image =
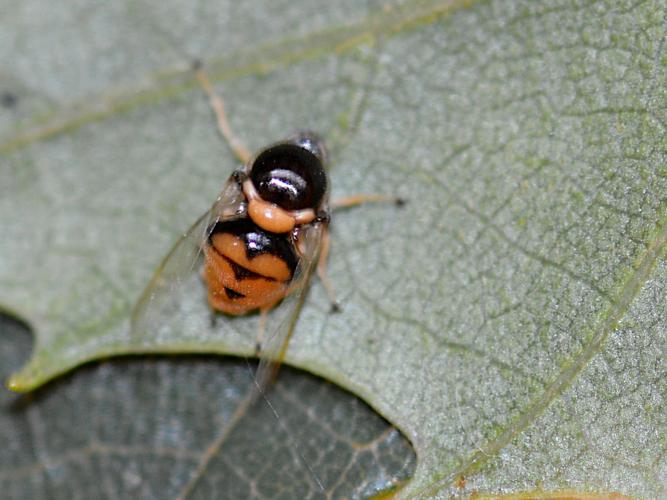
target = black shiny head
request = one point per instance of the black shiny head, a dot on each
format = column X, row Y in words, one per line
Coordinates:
column 291, row 174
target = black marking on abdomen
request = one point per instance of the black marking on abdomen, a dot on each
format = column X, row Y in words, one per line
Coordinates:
column 233, row 294
column 257, row 241
column 240, row 272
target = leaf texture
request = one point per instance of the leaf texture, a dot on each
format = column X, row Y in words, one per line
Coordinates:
column 509, row 320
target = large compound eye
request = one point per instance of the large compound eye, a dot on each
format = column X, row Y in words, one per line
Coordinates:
column 290, row 176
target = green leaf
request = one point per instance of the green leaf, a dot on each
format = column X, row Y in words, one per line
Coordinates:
column 509, row 320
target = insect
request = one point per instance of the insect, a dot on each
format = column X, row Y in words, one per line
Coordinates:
column 257, row 247
column 252, row 256
column 260, row 242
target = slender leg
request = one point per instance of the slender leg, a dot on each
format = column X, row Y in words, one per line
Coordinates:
column 322, row 272
column 264, row 314
column 241, row 152
column 213, row 318
column 350, row 201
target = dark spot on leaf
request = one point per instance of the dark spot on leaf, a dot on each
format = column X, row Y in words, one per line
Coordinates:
column 8, row 100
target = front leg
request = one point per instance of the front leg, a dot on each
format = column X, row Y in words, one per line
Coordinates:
column 322, row 271
column 235, row 144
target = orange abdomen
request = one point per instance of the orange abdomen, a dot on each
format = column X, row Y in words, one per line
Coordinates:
column 241, row 274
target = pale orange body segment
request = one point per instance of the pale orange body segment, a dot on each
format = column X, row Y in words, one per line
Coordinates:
column 237, row 284
column 270, row 217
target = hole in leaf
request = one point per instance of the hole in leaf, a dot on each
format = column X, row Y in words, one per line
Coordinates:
column 145, row 423
column 312, row 435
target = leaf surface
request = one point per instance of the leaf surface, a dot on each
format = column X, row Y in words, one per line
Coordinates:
column 520, row 289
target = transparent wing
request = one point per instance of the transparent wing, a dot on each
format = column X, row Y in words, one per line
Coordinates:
column 280, row 332
column 273, row 352
column 174, row 301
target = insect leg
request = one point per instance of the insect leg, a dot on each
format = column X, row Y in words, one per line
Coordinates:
column 351, row 201
column 348, row 201
column 213, row 318
column 237, row 147
column 322, row 271
column 264, row 314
